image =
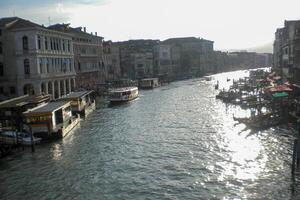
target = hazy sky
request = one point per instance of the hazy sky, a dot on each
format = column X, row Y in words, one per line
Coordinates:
column 232, row 24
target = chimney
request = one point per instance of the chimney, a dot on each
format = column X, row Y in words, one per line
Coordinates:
column 84, row 29
column 96, row 33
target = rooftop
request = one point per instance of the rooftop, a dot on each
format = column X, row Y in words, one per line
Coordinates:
column 50, row 107
column 186, row 39
column 77, row 94
column 24, row 100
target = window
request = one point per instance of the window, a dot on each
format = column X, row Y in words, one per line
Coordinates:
column 51, row 44
column 46, row 43
column 25, row 43
column 70, row 65
column 59, row 44
column 39, row 42
column 79, row 66
column 69, row 46
column 1, row 50
column 12, row 90
column 26, row 66
column 0, row 32
column 1, row 90
column 63, row 45
column 1, row 69
column 47, row 65
column 41, row 65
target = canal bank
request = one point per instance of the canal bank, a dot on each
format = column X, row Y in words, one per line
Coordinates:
column 175, row 141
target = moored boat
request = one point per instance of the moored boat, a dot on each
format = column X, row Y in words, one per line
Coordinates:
column 118, row 95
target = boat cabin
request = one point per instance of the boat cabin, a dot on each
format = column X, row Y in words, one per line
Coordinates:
column 52, row 120
column 82, row 103
column 149, row 83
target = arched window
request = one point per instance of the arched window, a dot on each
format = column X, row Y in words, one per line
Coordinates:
column 25, row 43
column 28, row 89
column 1, row 50
column 26, row 66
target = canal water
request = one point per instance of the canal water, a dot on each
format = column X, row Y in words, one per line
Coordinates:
column 173, row 142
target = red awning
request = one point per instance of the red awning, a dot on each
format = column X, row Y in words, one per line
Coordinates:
column 279, row 88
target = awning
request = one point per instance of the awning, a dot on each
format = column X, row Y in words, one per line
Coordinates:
column 279, row 88
column 280, row 94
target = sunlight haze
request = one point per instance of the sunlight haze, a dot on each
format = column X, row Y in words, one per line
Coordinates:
column 232, row 24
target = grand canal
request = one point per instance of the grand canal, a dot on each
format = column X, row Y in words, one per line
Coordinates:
column 173, row 142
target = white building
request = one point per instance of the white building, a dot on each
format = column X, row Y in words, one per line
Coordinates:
column 34, row 59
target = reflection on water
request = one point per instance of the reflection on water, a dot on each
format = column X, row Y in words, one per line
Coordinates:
column 174, row 142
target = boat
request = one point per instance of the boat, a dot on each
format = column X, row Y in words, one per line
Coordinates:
column 13, row 137
column 118, row 95
column 148, row 83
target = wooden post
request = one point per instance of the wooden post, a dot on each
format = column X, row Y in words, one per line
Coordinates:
column 32, row 142
column 294, row 157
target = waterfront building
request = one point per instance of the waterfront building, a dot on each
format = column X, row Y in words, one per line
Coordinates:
column 127, row 48
column 88, row 56
column 111, row 59
column 164, row 60
column 34, row 59
column 287, row 50
column 143, row 64
column 191, row 56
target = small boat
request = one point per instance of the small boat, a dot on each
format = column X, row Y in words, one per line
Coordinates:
column 119, row 95
column 12, row 137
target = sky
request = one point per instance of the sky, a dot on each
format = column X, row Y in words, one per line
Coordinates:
column 231, row 24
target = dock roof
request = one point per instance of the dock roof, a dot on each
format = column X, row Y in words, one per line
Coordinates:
column 24, row 100
column 79, row 94
column 49, row 107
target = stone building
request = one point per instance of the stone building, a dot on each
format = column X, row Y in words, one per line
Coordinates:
column 189, row 56
column 163, row 62
column 142, row 64
column 287, row 50
column 88, row 56
column 111, row 60
column 34, row 59
column 127, row 48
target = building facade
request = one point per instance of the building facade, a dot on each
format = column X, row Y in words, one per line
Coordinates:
column 184, row 57
column 142, row 64
column 88, row 56
column 127, row 49
column 35, row 59
column 287, row 50
column 111, row 59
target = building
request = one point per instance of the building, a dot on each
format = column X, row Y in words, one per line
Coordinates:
column 184, row 57
column 287, row 50
column 142, row 64
column 35, row 59
column 127, row 48
column 88, row 56
column 111, row 60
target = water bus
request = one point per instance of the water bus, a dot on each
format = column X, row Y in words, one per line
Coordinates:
column 119, row 95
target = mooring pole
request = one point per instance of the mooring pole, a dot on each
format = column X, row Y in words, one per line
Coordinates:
column 32, row 142
column 294, row 158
